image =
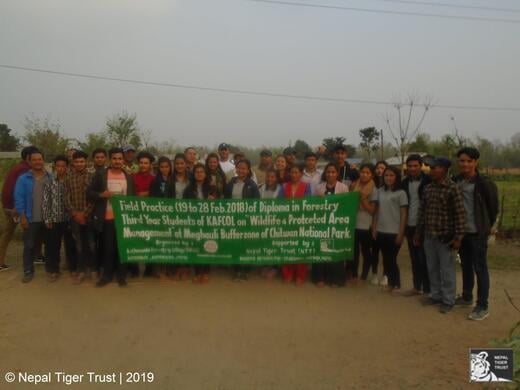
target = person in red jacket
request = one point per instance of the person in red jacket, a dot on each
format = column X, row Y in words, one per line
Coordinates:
column 11, row 218
column 295, row 188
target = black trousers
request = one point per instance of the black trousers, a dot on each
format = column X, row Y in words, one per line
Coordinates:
column 421, row 281
column 390, row 250
column 71, row 254
column 330, row 273
column 111, row 263
column 53, row 239
column 473, row 256
column 363, row 245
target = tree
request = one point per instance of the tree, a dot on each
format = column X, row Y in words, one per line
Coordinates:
column 93, row 141
column 369, row 140
column 328, row 145
column 301, row 147
column 407, row 125
column 46, row 135
column 8, row 141
column 422, row 143
column 122, row 129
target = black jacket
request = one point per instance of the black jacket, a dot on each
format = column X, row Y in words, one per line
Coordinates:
column 191, row 191
column 155, row 188
column 485, row 205
column 425, row 180
column 96, row 187
column 250, row 190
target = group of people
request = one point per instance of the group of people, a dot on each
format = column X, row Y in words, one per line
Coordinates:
column 441, row 217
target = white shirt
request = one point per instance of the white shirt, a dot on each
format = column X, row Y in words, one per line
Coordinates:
column 313, row 179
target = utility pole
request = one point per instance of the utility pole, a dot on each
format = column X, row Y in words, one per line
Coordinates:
column 382, row 146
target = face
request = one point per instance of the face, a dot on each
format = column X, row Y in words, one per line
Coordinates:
column 291, row 158
column 438, row 172
column 70, row 153
column 100, row 159
column 389, row 178
column 36, row 161
column 180, row 165
column 413, row 168
column 296, row 175
column 164, row 168
column 365, row 175
column 380, row 169
column 130, row 156
column 310, row 163
column 191, row 156
column 340, row 156
column 271, row 179
column 116, row 160
column 224, row 154
column 60, row 167
column 266, row 160
column 79, row 164
column 467, row 164
column 145, row 165
column 242, row 170
column 212, row 164
column 331, row 174
column 199, row 174
column 281, row 164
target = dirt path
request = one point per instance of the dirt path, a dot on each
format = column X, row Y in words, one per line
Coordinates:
column 253, row 335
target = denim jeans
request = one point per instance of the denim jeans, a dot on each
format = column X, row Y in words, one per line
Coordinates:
column 84, row 242
column 473, row 256
column 441, row 270
column 31, row 234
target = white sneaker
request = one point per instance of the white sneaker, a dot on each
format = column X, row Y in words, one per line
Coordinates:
column 383, row 281
column 374, row 280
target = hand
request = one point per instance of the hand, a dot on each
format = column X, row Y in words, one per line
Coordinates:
column 24, row 222
column 374, row 233
column 399, row 240
column 106, row 194
column 79, row 217
column 416, row 240
column 455, row 243
column 49, row 225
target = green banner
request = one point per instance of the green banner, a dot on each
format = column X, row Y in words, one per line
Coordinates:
column 249, row 231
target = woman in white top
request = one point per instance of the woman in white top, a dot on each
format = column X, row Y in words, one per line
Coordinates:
column 389, row 223
column 333, row 273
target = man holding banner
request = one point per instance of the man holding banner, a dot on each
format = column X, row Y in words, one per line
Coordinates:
column 108, row 182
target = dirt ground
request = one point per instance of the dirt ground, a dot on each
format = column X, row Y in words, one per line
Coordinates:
column 254, row 335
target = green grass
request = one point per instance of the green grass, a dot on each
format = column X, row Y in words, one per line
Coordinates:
column 509, row 198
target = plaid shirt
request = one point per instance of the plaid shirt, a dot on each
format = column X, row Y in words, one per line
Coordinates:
column 53, row 206
column 442, row 212
column 76, row 185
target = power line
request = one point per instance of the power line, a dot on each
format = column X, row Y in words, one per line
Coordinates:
column 448, row 5
column 379, row 11
column 246, row 92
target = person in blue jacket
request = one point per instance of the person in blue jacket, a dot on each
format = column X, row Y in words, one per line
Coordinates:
column 28, row 201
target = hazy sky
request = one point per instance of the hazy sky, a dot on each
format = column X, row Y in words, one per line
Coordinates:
column 240, row 44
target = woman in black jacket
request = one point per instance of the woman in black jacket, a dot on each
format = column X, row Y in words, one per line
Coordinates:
column 199, row 188
column 242, row 187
